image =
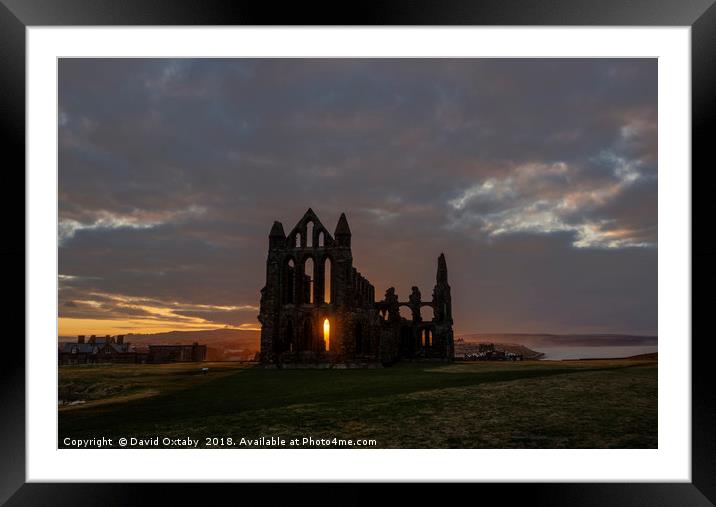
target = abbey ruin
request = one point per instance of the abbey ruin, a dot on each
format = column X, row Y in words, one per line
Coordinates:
column 317, row 309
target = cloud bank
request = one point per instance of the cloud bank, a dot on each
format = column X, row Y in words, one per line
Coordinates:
column 537, row 178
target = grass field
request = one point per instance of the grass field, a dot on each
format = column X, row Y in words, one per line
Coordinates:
column 530, row 404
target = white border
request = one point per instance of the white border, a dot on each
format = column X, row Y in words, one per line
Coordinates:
column 670, row 462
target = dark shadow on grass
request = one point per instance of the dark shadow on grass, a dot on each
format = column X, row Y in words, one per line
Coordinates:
column 257, row 388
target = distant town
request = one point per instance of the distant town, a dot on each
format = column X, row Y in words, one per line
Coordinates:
column 173, row 346
column 489, row 351
column 94, row 349
column 243, row 346
column 114, row 349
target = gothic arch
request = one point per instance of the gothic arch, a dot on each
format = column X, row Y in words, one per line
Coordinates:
column 310, row 226
column 327, row 278
column 307, row 273
column 289, row 280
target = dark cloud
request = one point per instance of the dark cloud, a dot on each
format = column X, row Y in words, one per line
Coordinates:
column 537, row 178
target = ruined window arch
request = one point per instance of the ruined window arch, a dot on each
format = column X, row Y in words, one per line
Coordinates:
column 327, row 280
column 426, row 338
column 289, row 278
column 327, row 334
column 309, row 269
column 321, row 239
column 309, row 234
column 406, row 313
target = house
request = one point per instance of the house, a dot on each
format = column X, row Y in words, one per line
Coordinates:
column 110, row 349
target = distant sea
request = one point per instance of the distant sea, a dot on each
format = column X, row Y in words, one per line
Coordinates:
column 595, row 352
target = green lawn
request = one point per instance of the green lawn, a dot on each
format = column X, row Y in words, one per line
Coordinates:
column 531, row 404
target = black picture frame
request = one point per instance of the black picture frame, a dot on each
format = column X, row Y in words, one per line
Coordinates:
column 16, row 15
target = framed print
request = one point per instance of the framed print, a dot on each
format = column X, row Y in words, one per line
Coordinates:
column 420, row 248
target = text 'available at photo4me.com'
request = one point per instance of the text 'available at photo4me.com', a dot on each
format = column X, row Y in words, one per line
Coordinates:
column 220, row 442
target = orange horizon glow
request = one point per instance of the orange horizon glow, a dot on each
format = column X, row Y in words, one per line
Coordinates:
column 327, row 333
column 68, row 326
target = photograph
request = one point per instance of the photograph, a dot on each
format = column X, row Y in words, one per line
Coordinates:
column 418, row 246
column 352, row 253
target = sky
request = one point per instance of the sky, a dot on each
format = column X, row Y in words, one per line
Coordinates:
column 536, row 177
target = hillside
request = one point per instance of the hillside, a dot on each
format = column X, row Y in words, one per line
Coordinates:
column 223, row 344
column 652, row 356
column 213, row 336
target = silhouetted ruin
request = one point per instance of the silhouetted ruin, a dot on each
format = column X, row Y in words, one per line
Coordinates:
column 317, row 309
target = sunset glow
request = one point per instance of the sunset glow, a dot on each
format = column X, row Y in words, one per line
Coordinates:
column 327, row 333
column 106, row 313
column 72, row 327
